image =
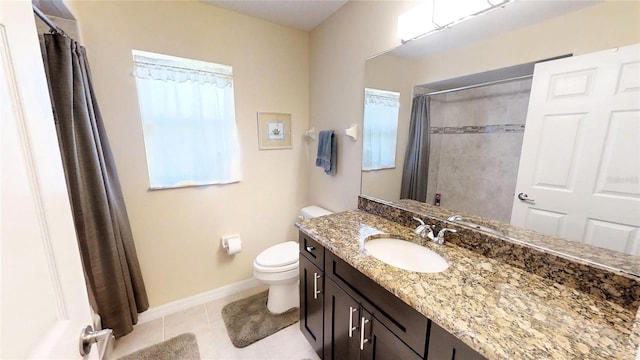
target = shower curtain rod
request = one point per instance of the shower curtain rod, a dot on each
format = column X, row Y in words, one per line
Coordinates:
column 477, row 85
column 48, row 21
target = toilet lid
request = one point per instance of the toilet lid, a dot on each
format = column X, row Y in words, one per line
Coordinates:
column 279, row 255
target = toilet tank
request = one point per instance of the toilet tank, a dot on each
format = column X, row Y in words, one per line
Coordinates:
column 313, row 211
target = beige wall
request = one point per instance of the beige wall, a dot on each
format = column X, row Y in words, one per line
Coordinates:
column 177, row 232
column 359, row 30
column 339, row 47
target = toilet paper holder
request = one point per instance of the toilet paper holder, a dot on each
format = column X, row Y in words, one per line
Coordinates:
column 234, row 239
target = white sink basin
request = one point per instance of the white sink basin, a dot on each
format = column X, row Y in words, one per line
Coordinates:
column 406, row 255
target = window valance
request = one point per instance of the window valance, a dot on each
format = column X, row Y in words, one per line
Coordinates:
column 168, row 68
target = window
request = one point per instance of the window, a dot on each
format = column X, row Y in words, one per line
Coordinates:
column 380, row 129
column 188, row 118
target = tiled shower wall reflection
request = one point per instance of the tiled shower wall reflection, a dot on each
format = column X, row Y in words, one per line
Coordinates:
column 476, row 138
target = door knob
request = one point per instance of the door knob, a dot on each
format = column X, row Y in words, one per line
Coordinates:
column 89, row 337
column 524, row 197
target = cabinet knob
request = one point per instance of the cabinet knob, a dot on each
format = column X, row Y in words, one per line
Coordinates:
column 310, row 248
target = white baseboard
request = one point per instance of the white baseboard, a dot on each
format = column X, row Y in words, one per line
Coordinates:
column 198, row 299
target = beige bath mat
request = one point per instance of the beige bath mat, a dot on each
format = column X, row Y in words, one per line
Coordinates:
column 248, row 320
column 181, row 347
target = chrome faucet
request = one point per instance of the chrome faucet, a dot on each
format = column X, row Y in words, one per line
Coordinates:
column 440, row 238
column 423, row 230
column 455, row 218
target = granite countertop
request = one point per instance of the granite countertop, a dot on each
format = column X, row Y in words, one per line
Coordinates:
column 582, row 252
column 501, row 311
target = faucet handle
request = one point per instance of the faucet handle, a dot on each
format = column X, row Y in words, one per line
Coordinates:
column 440, row 239
column 419, row 220
column 422, row 230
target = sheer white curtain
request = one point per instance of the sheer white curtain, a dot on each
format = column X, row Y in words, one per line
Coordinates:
column 380, row 127
column 188, row 117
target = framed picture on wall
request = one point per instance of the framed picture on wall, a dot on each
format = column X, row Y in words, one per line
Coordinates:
column 274, row 131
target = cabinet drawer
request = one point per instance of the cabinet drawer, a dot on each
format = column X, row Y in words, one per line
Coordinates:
column 312, row 250
column 404, row 321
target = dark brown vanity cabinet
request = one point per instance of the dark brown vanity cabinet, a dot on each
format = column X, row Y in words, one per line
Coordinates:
column 346, row 315
column 311, row 292
column 352, row 333
column 364, row 321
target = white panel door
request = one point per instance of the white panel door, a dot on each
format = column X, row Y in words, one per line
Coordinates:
column 580, row 161
column 44, row 300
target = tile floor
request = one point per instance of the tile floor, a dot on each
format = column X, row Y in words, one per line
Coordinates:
column 205, row 321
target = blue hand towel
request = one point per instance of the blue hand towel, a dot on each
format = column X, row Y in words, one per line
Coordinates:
column 327, row 152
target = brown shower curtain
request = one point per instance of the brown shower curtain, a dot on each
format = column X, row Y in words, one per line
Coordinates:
column 111, row 267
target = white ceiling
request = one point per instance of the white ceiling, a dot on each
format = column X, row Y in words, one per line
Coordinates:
column 298, row 14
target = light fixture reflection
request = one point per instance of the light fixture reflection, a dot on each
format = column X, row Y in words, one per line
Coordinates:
column 416, row 21
column 434, row 15
column 450, row 11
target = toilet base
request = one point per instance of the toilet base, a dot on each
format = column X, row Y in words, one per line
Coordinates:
column 283, row 297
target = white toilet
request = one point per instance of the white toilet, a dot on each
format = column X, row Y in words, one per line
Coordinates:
column 277, row 266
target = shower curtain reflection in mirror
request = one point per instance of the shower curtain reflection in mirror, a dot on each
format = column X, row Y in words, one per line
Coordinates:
column 416, row 160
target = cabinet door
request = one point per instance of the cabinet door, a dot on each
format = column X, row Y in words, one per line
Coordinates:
column 443, row 345
column 403, row 321
column 341, row 318
column 311, row 304
column 379, row 343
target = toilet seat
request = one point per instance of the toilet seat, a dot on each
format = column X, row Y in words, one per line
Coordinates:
column 275, row 269
column 278, row 258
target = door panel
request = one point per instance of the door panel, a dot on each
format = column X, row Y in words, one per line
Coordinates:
column 548, row 222
column 571, row 84
column 618, row 172
column 556, row 162
column 619, row 237
column 580, row 161
column 629, row 78
column 444, row 346
column 382, row 344
column 311, row 304
column 44, row 301
column 341, row 313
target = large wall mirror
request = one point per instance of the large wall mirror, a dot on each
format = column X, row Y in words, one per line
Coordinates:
column 471, row 129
